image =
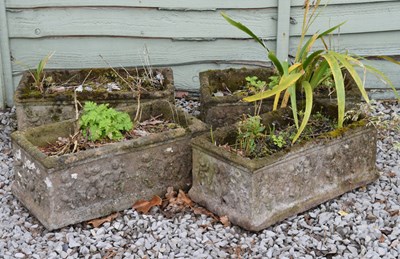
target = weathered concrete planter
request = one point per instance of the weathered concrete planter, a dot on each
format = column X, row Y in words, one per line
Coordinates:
column 35, row 109
column 225, row 110
column 73, row 188
column 257, row 193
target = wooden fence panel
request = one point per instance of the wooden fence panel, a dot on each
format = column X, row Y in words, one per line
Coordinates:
column 188, row 35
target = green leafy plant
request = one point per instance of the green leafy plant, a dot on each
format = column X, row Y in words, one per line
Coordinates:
column 38, row 74
column 274, row 81
column 309, row 70
column 99, row 122
column 250, row 130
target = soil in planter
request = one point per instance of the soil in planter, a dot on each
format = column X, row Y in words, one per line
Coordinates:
column 272, row 140
column 98, row 81
column 246, row 89
column 78, row 142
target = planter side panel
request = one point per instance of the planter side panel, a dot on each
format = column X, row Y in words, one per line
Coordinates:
column 32, row 184
column 221, row 187
column 320, row 173
column 107, row 183
column 221, row 115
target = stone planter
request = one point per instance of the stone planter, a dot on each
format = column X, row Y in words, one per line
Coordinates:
column 225, row 110
column 35, row 109
column 258, row 193
column 73, row 188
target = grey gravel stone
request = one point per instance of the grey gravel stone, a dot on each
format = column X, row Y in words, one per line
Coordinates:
column 370, row 230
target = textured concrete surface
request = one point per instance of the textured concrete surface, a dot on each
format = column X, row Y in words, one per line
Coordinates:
column 257, row 193
column 37, row 109
column 77, row 187
column 225, row 110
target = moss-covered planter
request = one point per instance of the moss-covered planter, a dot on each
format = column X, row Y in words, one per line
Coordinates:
column 225, row 110
column 257, row 193
column 77, row 187
column 34, row 108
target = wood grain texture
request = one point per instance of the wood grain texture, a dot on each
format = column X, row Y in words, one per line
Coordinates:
column 177, row 4
column 391, row 70
column 360, row 18
column 6, row 83
column 364, row 44
column 188, row 35
column 342, row 2
column 136, row 22
column 382, row 95
column 79, row 52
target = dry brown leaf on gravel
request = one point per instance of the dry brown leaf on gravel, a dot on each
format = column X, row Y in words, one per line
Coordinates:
column 144, row 206
column 171, row 194
column 98, row 222
column 225, row 221
column 203, row 211
column 177, row 203
column 184, row 199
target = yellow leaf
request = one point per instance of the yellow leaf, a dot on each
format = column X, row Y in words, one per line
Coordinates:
column 343, row 213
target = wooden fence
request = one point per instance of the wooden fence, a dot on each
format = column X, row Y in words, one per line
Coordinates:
column 188, row 35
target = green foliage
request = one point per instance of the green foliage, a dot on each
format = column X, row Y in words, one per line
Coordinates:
column 254, row 85
column 310, row 70
column 250, row 131
column 38, row 75
column 278, row 140
column 274, row 81
column 100, row 122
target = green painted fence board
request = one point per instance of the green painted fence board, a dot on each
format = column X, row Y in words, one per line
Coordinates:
column 204, row 4
column 76, row 52
column 364, row 44
column 135, row 22
column 341, row 2
column 177, row 4
column 188, row 35
column 360, row 18
column 283, row 30
column 6, row 82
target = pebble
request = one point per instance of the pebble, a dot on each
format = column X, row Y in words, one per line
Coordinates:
column 370, row 230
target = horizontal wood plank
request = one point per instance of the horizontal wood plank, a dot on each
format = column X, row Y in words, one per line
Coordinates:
column 392, row 71
column 84, row 52
column 364, row 44
column 134, row 22
column 359, row 18
column 382, row 95
column 342, row 2
column 177, row 4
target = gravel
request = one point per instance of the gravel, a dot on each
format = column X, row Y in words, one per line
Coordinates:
column 370, row 228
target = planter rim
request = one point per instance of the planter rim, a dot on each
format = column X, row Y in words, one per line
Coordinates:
column 117, row 148
column 117, row 95
column 203, row 143
column 220, row 100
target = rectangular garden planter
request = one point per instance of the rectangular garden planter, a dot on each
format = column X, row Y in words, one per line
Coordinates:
column 258, row 193
column 77, row 187
column 225, row 110
column 34, row 108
